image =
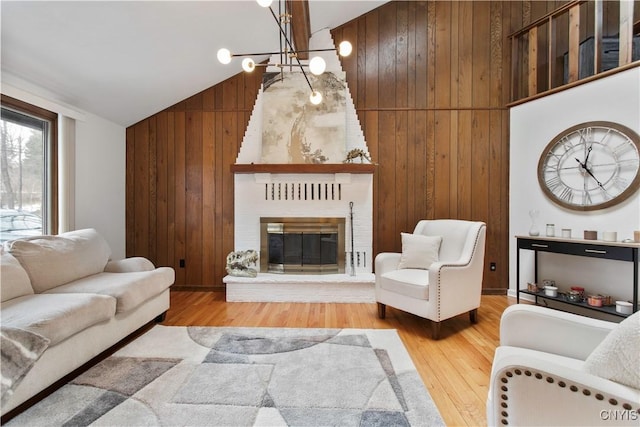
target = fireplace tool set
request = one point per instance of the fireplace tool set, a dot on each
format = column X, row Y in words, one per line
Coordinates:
column 353, row 264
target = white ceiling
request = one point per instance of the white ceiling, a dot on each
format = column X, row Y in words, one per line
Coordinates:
column 127, row 60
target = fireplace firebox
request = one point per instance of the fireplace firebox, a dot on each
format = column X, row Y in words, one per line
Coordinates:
column 302, row 245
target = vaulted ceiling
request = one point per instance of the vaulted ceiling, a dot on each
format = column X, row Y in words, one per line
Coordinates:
column 126, row 60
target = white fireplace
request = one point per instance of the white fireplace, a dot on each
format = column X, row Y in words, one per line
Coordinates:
column 305, row 192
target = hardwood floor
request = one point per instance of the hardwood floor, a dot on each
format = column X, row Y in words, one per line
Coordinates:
column 455, row 369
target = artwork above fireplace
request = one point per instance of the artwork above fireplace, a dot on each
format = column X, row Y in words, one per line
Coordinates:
column 302, row 245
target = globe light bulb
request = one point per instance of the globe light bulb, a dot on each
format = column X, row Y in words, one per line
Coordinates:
column 345, row 48
column 315, row 97
column 224, row 56
column 265, row 3
column 248, row 65
column 317, row 65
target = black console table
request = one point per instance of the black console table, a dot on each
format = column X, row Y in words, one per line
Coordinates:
column 587, row 248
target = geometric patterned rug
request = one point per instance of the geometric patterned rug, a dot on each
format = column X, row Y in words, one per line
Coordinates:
column 206, row 376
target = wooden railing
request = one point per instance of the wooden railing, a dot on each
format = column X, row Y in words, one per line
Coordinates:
column 574, row 42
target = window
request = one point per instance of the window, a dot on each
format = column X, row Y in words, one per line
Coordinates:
column 28, row 170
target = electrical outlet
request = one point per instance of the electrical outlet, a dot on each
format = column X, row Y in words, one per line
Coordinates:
column 492, row 266
column 182, row 263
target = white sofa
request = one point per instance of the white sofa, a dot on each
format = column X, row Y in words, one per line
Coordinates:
column 561, row 369
column 62, row 294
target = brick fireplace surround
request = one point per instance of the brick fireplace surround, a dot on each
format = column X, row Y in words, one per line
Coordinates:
column 288, row 191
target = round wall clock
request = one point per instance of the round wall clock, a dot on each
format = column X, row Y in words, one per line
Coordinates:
column 591, row 166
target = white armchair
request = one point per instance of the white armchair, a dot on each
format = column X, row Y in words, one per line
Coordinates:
column 543, row 370
column 439, row 290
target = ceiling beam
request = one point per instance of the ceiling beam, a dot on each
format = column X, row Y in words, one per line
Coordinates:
column 300, row 25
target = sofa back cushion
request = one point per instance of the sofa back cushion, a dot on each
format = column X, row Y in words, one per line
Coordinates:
column 52, row 261
column 14, row 281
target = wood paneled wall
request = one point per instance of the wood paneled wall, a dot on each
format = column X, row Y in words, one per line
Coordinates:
column 179, row 187
column 430, row 82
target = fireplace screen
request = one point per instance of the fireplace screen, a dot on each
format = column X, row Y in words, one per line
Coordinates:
column 302, row 245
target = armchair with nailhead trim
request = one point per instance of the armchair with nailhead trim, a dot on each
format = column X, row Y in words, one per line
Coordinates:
column 543, row 370
column 447, row 287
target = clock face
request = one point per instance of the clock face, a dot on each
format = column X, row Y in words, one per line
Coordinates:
column 591, row 166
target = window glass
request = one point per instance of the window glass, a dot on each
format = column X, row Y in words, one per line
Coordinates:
column 26, row 207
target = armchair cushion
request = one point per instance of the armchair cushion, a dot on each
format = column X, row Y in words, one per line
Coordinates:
column 410, row 282
column 616, row 358
column 419, row 251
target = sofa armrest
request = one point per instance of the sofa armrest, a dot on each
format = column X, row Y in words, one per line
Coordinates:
column 527, row 388
column 387, row 261
column 544, row 329
column 128, row 265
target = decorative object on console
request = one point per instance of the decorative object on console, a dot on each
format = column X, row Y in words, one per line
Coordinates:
column 624, row 307
column 534, row 214
column 551, row 291
column 551, row 230
column 574, row 296
column 610, row 236
column 592, row 165
column 287, row 51
column 595, row 300
column 590, row 235
column 239, row 262
column 566, row 233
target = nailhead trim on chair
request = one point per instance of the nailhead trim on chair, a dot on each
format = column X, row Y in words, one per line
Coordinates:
column 475, row 245
column 586, row 392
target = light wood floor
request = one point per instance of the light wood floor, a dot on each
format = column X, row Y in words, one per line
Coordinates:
column 455, row 369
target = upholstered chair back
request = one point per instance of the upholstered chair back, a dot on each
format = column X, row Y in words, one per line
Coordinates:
column 456, row 243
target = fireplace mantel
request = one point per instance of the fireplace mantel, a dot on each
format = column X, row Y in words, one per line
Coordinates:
column 362, row 168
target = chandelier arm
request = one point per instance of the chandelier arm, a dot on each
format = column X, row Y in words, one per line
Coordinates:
column 234, row 55
column 284, row 34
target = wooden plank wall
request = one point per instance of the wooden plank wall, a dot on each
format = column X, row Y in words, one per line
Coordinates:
column 179, row 186
column 430, row 82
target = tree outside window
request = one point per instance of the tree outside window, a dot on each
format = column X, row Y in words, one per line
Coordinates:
column 27, row 148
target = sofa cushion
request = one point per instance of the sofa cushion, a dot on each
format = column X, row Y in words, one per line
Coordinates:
column 130, row 289
column 616, row 357
column 14, row 281
column 57, row 316
column 410, row 282
column 52, row 261
column 419, row 251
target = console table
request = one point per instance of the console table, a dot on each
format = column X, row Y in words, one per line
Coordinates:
column 587, row 248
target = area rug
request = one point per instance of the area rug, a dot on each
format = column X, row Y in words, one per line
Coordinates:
column 204, row 376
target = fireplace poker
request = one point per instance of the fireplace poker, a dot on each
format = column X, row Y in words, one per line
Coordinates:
column 353, row 265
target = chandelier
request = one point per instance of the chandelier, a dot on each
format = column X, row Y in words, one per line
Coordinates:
column 289, row 56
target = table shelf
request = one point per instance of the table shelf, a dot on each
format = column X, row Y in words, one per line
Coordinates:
column 620, row 251
column 609, row 309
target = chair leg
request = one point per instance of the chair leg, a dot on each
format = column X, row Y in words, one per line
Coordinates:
column 473, row 316
column 435, row 330
column 382, row 310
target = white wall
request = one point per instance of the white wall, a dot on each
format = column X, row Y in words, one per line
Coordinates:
column 100, row 180
column 97, row 169
column 533, row 125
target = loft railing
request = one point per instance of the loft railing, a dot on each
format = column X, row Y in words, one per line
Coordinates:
column 578, row 40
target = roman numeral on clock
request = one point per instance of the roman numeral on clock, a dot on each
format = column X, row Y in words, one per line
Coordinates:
column 566, row 194
column 553, row 183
